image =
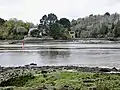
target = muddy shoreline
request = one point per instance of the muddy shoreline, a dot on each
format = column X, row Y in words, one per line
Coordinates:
column 80, row 40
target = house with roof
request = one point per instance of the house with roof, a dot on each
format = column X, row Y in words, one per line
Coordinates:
column 34, row 32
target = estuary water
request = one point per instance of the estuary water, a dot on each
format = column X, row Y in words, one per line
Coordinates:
column 61, row 53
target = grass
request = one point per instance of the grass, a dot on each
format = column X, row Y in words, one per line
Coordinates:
column 63, row 80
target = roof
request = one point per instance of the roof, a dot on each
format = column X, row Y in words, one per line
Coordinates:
column 32, row 29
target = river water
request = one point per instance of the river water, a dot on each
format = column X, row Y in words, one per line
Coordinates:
column 61, row 53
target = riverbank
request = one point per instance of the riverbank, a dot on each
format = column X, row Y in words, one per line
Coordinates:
column 48, row 75
column 76, row 40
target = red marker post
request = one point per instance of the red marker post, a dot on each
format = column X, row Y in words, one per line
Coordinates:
column 22, row 44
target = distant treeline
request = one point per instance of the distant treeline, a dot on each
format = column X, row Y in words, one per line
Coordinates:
column 97, row 26
column 93, row 26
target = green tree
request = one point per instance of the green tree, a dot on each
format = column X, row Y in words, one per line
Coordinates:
column 117, row 30
column 15, row 29
column 35, row 33
column 10, row 24
column 103, row 30
column 48, row 19
column 21, row 30
column 56, row 31
column 28, row 25
column 107, row 13
column 2, row 21
column 52, row 18
column 46, row 22
column 65, row 22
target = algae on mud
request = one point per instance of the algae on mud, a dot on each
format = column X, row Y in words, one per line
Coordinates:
column 66, row 80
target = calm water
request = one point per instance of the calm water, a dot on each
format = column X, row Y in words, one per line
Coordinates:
column 61, row 53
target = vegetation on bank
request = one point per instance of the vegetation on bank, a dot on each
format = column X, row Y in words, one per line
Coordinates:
column 97, row 26
column 49, row 26
column 65, row 80
column 14, row 29
column 93, row 26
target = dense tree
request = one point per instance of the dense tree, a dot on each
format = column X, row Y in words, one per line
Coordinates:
column 90, row 15
column 21, row 30
column 73, row 22
column 103, row 30
column 44, row 20
column 48, row 19
column 99, row 26
column 65, row 22
column 117, row 30
column 2, row 21
column 107, row 13
column 14, row 29
column 35, row 33
column 56, row 31
column 52, row 18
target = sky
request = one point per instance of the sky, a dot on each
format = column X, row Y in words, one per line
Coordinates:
column 33, row 10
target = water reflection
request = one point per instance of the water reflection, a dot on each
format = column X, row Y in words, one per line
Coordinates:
column 54, row 56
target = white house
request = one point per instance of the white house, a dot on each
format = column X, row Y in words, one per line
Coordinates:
column 72, row 34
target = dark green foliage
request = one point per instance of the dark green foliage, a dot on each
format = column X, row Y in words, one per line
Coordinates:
column 65, row 22
column 2, row 21
column 113, row 26
column 56, row 31
column 46, row 21
column 18, row 81
column 107, row 13
column 117, row 30
column 103, row 30
column 52, row 18
column 35, row 33
column 53, row 27
column 90, row 15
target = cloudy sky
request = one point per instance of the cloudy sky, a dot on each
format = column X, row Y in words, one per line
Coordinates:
column 33, row 10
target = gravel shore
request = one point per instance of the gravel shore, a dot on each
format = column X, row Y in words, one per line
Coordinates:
column 11, row 72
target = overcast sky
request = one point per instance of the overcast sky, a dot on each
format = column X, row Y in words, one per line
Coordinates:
column 33, row 10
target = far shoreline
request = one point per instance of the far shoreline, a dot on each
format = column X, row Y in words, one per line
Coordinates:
column 81, row 40
column 62, row 67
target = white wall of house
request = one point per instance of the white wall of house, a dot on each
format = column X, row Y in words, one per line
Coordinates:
column 72, row 34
